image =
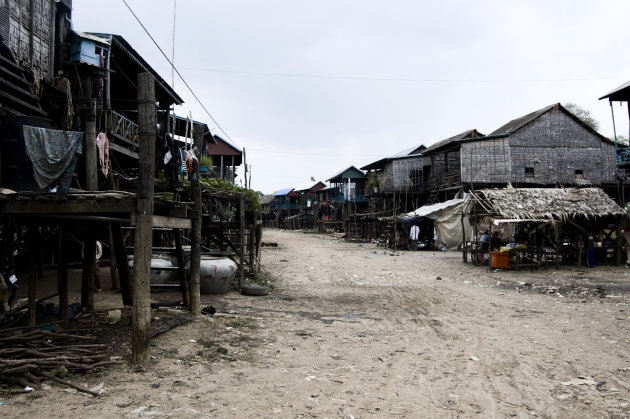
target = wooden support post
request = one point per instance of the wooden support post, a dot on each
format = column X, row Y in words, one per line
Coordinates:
column 245, row 167
column 258, row 244
column 62, row 277
column 113, row 265
column 91, row 180
column 619, row 244
column 89, row 269
column 233, row 175
column 122, row 262
column 181, row 264
column 250, row 245
column 195, row 249
column 222, row 176
column 141, row 332
column 33, row 239
column 241, row 262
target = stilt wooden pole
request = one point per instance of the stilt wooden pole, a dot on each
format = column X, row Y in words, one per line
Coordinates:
column 141, row 337
column 195, row 250
column 62, row 277
column 32, row 240
column 241, row 262
column 181, row 264
column 113, row 265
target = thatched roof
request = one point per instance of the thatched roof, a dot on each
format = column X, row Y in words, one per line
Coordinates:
column 541, row 203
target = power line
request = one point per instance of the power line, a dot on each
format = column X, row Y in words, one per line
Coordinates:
column 312, row 154
column 396, row 79
column 179, row 75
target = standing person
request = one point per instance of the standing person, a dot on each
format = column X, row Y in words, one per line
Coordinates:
column 495, row 241
column 484, row 245
column 414, row 232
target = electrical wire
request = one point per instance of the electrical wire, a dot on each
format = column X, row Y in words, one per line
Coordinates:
column 179, row 75
column 395, row 79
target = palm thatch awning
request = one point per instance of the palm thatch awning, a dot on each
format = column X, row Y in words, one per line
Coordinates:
column 541, row 203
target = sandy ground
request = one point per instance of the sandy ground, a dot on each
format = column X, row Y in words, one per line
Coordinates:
column 352, row 330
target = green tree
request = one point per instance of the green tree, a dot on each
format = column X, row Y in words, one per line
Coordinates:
column 622, row 139
column 583, row 114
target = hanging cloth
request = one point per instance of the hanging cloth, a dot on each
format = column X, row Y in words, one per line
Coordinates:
column 102, row 142
column 53, row 154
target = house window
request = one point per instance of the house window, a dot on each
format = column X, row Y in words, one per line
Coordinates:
column 98, row 50
column 529, row 172
column 579, row 174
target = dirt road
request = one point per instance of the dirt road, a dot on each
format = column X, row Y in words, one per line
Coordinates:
column 351, row 330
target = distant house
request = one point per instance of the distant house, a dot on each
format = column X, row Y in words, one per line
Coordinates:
column 622, row 151
column 548, row 147
column 401, row 172
column 309, row 192
column 225, row 157
column 348, row 186
column 285, row 199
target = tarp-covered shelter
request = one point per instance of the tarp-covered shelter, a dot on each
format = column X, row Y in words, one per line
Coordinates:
column 447, row 216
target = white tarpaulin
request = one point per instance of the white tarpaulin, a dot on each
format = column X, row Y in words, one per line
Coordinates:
column 448, row 222
column 430, row 211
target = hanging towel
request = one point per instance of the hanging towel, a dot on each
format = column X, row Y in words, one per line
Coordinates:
column 102, row 142
column 53, row 154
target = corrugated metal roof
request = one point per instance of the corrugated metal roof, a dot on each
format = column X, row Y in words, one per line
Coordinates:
column 408, row 152
column 309, row 185
column 359, row 173
column 91, row 37
column 621, row 93
column 282, row 192
column 265, row 199
column 471, row 133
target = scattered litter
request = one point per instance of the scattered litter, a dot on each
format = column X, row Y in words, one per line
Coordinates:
column 438, row 278
column 3, row 403
column 139, row 410
column 192, row 341
column 468, row 340
column 113, row 316
column 99, row 388
column 580, row 381
column 156, row 385
column 310, row 378
column 474, row 358
column 28, row 389
column 600, row 384
column 315, row 395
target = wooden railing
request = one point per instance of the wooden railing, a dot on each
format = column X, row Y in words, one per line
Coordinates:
column 121, row 127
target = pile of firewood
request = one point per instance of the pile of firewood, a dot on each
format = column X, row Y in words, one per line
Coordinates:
column 29, row 357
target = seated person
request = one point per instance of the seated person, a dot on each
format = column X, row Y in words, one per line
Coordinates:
column 484, row 245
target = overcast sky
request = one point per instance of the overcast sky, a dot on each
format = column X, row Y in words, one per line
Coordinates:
column 309, row 88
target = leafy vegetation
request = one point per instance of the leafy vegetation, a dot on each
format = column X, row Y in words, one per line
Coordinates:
column 206, row 161
column 222, row 184
column 583, row 114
